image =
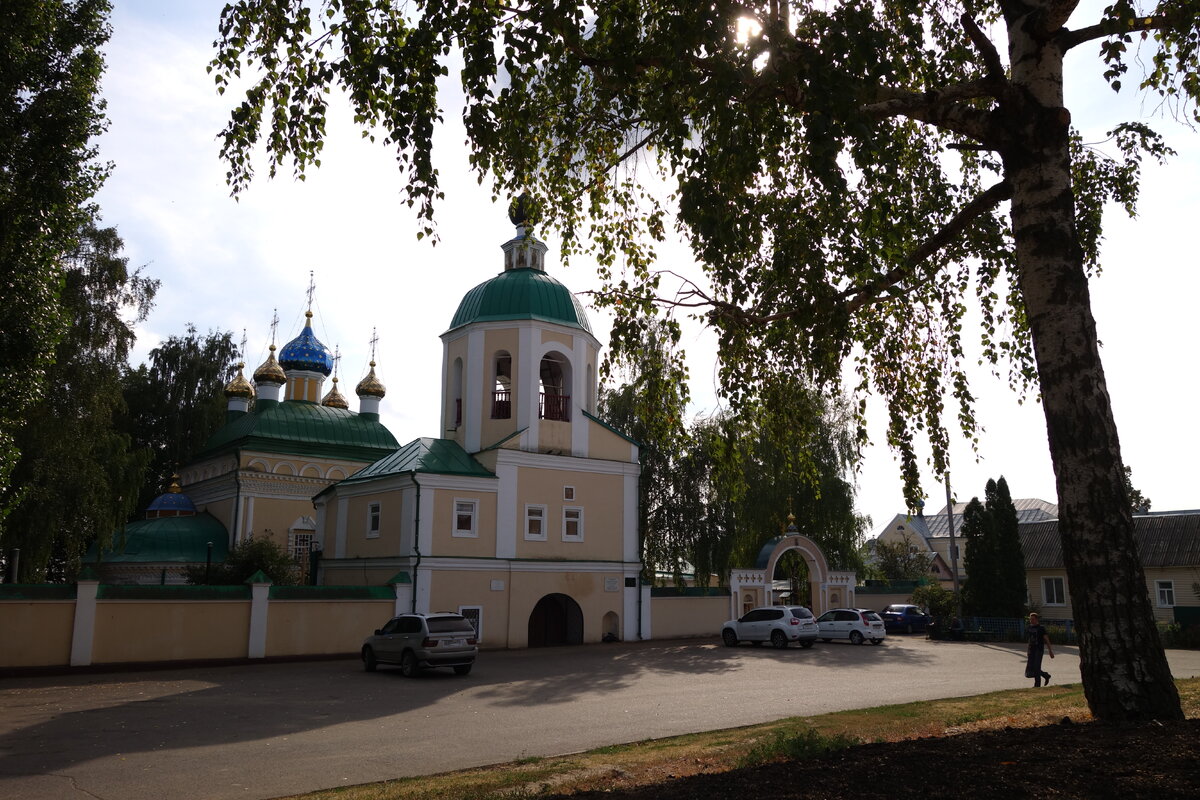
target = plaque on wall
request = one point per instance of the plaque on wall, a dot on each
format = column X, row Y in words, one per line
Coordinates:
column 612, row 584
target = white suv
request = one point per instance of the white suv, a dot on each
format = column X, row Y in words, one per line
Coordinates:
column 775, row 624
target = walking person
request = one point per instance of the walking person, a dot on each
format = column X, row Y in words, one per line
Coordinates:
column 1039, row 641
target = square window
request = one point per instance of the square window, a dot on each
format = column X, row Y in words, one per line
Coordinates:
column 1166, row 593
column 568, row 493
column 464, row 518
column 535, row 522
column 572, row 527
column 1053, row 593
column 373, row 516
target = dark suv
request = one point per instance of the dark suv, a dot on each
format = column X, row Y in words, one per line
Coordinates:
column 420, row 641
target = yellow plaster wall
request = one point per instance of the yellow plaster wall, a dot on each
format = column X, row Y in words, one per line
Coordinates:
column 36, row 634
column 585, row 588
column 353, row 575
column 678, row 617
column 602, row 498
column 452, row 590
column 391, row 513
column 325, row 627
column 130, row 631
column 606, row 445
column 445, row 543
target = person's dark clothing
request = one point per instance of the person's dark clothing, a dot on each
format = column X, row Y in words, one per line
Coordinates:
column 1037, row 647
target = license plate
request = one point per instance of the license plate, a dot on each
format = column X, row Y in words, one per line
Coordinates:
column 453, row 642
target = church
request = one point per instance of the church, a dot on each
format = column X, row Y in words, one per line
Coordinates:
column 521, row 514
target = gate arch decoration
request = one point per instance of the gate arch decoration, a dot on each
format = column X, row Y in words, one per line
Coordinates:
column 751, row 586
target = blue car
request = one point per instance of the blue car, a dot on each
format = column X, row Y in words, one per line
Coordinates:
column 900, row 618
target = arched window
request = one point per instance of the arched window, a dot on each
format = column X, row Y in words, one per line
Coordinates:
column 502, row 385
column 456, row 387
column 554, row 374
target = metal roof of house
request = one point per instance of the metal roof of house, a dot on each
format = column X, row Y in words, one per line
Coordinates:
column 1170, row 539
column 521, row 294
column 935, row 525
column 303, row 428
column 166, row 540
column 427, row 455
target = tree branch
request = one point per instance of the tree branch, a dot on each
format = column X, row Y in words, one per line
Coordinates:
column 1111, row 27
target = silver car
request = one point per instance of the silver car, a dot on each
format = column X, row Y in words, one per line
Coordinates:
column 421, row 641
column 856, row 624
column 775, row 624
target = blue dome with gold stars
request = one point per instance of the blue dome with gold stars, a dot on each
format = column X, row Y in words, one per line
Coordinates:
column 306, row 352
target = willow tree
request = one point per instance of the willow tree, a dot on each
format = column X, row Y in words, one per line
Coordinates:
column 850, row 175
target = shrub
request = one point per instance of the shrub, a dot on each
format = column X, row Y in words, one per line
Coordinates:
column 246, row 558
column 795, row 745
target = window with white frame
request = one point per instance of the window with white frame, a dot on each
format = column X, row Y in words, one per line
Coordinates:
column 572, row 524
column 373, row 515
column 568, row 493
column 464, row 518
column 535, row 522
column 473, row 615
column 1166, row 593
column 1053, row 593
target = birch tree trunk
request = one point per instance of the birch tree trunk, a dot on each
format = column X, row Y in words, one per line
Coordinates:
column 1124, row 669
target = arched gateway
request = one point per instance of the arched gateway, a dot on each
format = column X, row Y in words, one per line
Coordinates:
column 750, row 587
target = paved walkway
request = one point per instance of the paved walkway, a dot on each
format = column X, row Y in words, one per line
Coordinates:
column 268, row 730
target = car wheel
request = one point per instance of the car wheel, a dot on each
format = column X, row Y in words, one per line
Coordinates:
column 778, row 640
column 807, row 644
column 877, row 641
column 729, row 637
column 856, row 637
column 368, row 657
column 462, row 669
column 408, row 665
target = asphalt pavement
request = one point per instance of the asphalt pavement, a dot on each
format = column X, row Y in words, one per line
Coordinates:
column 268, row 730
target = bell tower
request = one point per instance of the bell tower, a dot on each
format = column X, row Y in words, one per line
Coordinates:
column 519, row 357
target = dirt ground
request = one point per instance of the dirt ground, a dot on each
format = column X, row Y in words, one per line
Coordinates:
column 1068, row 760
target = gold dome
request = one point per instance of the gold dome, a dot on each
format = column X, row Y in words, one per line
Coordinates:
column 370, row 385
column 335, row 399
column 270, row 371
column 239, row 386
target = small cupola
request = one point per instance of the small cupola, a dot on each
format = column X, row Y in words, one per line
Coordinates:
column 269, row 377
column 239, row 392
column 370, row 391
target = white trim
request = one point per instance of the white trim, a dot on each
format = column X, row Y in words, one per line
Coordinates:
column 569, row 494
column 524, row 458
column 339, row 536
column 84, row 630
column 447, row 564
column 535, row 537
column 473, row 391
column 479, row 616
column 506, row 511
column 578, row 537
column 473, row 532
column 630, row 547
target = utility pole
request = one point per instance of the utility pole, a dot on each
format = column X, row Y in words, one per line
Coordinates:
column 953, row 547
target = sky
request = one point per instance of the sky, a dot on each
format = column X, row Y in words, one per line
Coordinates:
column 229, row 264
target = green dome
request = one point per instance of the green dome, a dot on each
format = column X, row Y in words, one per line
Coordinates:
column 166, row 540
column 521, row 294
column 300, row 428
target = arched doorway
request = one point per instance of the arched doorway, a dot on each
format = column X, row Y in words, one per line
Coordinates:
column 555, row 620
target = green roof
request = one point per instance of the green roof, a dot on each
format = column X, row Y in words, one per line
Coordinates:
column 521, row 294
column 302, row 428
column 434, row 456
column 171, row 540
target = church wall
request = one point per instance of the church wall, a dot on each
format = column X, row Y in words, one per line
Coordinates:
column 554, row 437
column 43, row 630
column 360, row 543
column 601, row 496
column 588, row 589
column 323, row 627
column 454, row 590
column 445, row 543
column 214, row 630
column 606, row 445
